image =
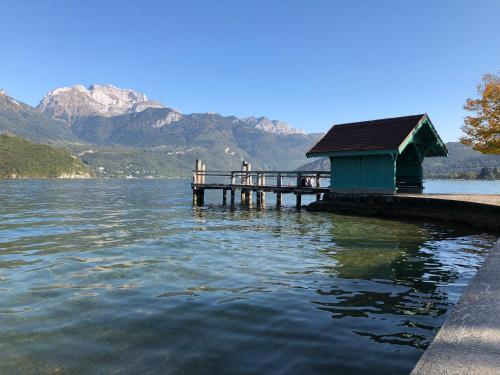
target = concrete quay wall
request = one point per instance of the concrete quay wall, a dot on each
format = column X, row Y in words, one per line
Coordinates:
column 469, row 340
column 478, row 211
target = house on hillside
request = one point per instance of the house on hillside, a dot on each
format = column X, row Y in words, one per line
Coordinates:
column 379, row 156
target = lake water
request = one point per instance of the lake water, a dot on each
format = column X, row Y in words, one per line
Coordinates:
column 125, row 277
column 462, row 187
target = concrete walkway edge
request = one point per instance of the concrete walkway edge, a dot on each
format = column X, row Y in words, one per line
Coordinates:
column 469, row 341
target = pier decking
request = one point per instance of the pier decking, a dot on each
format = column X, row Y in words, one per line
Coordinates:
column 246, row 182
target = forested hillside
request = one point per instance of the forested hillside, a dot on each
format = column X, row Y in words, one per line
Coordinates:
column 20, row 158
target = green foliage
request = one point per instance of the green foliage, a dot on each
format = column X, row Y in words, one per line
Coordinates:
column 489, row 174
column 482, row 126
column 462, row 162
column 23, row 159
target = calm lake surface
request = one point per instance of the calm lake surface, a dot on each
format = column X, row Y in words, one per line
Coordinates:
column 125, row 277
column 462, row 187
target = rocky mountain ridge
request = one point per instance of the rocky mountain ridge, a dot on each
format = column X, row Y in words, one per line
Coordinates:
column 271, row 126
column 70, row 103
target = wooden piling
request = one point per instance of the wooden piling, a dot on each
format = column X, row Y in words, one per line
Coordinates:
column 257, row 190
column 232, row 197
column 200, row 194
column 278, row 194
column 248, row 182
column 262, row 193
column 243, row 182
column 197, row 168
column 317, row 184
column 224, row 196
column 298, row 196
column 278, row 200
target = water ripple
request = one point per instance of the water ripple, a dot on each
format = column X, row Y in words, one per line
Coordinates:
column 125, row 277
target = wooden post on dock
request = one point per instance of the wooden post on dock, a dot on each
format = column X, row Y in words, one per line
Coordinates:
column 201, row 180
column 257, row 191
column 317, row 184
column 197, row 168
column 224, row 196
column 243, row 181
column 262, row 193
column 261, row 197
column 233, row 182
column 278, row 194
column 203, row 169
column 249, row 183
column 298, row 196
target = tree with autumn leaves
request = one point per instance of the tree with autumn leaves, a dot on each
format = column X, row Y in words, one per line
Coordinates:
column 482, row 126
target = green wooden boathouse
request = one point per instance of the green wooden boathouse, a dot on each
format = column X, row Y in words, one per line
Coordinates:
column 379, row 156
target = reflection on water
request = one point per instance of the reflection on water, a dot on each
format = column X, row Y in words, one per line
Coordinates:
column 125, row 277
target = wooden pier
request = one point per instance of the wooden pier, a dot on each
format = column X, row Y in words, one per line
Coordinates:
column 245, row 182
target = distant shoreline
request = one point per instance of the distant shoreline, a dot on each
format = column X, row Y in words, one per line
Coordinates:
column 460, row 179
column 188, row 178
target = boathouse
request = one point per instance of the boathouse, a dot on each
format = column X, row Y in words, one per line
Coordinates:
column 380, row 156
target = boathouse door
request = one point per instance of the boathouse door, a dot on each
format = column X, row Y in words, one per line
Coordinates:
column 409, row 170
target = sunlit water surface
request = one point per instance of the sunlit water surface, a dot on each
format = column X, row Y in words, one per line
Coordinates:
column 123, row 276
column 462, row 187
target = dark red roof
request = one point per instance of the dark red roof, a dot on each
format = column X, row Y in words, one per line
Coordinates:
column 384, row 134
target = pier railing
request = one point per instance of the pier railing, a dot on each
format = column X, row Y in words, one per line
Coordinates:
column 261, row 178
column 259, row 181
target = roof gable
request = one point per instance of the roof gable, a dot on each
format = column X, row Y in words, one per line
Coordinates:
column 367, row 136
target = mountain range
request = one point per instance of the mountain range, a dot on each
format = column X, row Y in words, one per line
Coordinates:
column 120, row 132
column 20, row 158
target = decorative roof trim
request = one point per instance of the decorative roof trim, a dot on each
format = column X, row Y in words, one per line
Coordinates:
column 424, row 120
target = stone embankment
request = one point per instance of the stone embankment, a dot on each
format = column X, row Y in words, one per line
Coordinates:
column 481, row 211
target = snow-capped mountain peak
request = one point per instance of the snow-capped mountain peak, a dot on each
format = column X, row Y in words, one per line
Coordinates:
column 69, row 103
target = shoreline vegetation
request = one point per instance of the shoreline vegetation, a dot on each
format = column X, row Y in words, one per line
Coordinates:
column 488, row 174
column 20, row 158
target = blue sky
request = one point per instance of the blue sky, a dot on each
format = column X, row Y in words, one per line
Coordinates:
column 310, row 63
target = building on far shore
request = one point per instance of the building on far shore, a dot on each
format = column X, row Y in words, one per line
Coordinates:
column 379, row 156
